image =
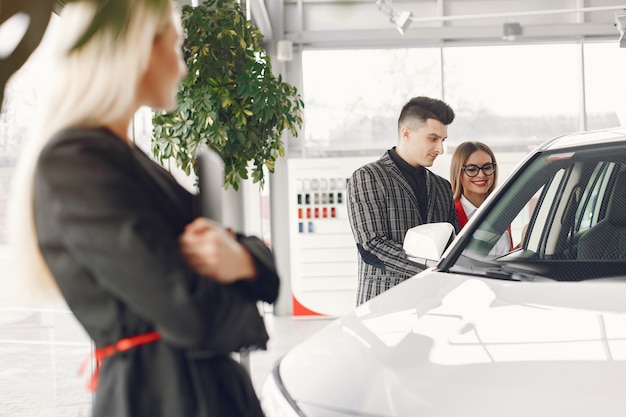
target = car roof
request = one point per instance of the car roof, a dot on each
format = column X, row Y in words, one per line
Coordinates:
column 593, row 137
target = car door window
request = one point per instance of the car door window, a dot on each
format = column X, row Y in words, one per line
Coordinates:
column 548, row 198
column 591, row 210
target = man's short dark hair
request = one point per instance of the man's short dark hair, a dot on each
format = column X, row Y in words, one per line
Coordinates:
column 424, row 108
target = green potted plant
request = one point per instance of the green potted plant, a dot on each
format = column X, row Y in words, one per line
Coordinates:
column 230, row 100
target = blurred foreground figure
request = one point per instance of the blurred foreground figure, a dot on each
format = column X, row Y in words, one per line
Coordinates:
column 165, row 296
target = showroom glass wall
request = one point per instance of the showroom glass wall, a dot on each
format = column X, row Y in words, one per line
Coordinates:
column 511, row 96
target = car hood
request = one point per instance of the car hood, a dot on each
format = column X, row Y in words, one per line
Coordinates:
column 441, row 344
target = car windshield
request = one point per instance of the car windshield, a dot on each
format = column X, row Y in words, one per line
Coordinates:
column 566, row 213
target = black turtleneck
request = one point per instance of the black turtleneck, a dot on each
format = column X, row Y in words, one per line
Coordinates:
column 416, row 177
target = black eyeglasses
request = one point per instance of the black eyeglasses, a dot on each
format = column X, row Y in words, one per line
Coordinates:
column 472, row 170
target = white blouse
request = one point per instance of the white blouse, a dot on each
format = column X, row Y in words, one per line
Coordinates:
column 503, row 245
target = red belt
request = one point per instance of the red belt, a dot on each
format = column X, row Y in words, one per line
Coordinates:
column 121, row 345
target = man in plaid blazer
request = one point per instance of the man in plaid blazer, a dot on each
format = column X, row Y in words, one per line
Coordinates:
column 389, row 196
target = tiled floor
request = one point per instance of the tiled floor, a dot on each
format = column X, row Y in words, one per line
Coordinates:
column 42, row 348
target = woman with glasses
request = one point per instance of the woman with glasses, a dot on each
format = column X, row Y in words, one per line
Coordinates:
column 474, row 175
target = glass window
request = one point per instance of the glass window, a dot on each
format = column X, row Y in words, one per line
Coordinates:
column 591, row 209
column 353, row 97
column 604, row 78
column 512, row 97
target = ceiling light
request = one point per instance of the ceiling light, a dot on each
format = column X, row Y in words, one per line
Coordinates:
column 403, row 21
column 510, row 31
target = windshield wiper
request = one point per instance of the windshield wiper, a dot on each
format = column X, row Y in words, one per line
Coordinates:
column 492, row 272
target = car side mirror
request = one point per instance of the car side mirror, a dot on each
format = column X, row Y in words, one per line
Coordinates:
column 424, row 244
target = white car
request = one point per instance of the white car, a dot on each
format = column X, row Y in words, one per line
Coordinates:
column 540, row 331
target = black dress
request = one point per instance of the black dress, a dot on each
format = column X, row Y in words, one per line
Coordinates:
column 108, row 220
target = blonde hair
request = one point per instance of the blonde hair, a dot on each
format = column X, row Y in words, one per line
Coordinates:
column 93, row 86
column 459, row 157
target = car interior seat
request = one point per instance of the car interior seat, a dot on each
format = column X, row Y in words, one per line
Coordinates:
column 607, row 239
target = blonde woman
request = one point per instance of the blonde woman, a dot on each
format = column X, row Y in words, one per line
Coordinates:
column 165, row 296
column 474, row 175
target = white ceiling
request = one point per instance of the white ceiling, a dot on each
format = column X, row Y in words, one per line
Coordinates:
column 360, row 23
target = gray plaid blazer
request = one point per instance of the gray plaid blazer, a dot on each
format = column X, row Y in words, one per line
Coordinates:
column 382, row 207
